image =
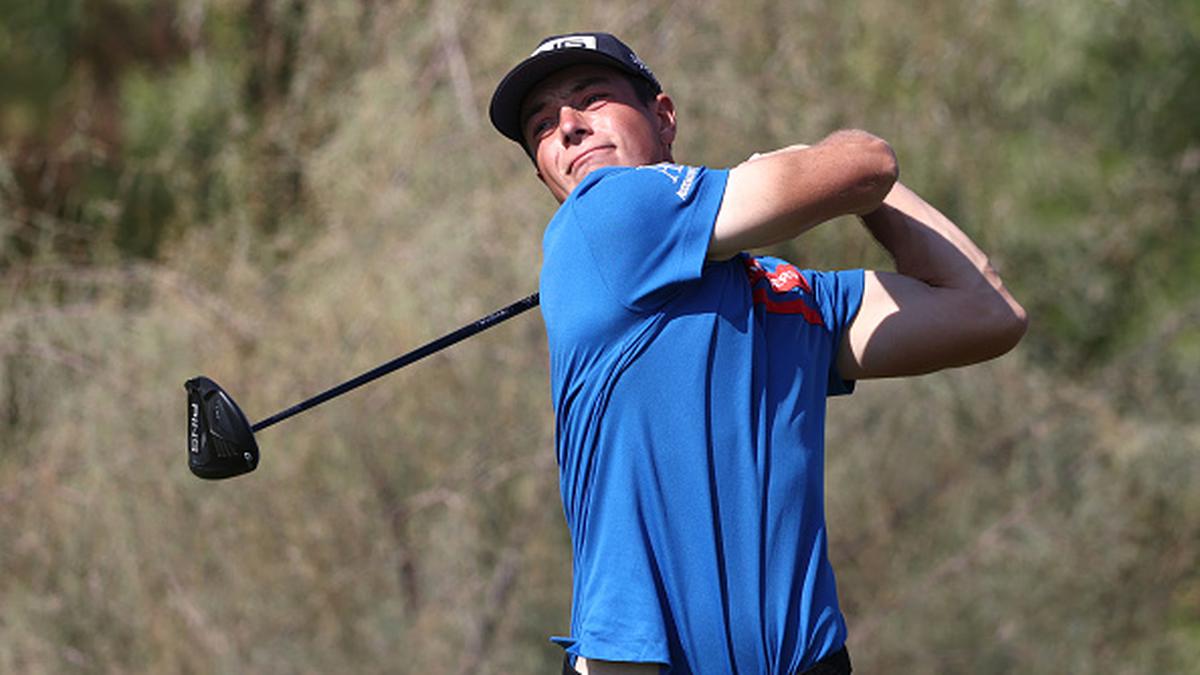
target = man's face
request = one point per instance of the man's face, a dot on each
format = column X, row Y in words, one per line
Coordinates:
column 585, row 117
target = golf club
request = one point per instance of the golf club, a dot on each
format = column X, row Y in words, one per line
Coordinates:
column 221, row 440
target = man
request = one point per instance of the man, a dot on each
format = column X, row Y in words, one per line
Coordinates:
column 689, row 378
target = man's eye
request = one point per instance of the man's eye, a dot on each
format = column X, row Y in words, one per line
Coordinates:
column 540, row 127
column 591, row 99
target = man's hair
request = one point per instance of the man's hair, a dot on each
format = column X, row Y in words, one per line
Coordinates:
column 643, row 89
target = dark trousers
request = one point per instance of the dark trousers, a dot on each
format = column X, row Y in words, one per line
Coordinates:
column 837, row 663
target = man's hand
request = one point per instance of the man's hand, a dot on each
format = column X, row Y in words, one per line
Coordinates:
column 945, row 306
column 781, row 194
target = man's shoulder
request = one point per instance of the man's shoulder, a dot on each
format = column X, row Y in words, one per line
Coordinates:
column 632, row 182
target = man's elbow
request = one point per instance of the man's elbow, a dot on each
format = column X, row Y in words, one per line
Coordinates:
column 886, row 175
column 1007, row 323
column 876, row 168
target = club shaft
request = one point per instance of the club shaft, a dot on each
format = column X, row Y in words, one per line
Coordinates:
column 399, row 362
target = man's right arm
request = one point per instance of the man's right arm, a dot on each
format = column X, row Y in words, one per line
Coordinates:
column 778, row 196
column 943, row 307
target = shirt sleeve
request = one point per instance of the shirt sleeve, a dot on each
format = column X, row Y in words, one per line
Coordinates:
column 839, row 296
column 648, row 228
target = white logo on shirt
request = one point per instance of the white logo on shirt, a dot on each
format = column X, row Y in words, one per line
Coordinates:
column 686, row 186
column 677, row 173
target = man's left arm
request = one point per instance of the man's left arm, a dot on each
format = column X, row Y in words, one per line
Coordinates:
column 945, row 305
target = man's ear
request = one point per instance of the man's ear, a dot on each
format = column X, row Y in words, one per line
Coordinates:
column 663, row 109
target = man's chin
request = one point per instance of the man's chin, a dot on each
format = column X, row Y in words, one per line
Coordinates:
column 589, row 165
column 581, row 173
column 578, row 175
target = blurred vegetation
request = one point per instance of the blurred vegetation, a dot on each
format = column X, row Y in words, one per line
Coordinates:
column 283, row 193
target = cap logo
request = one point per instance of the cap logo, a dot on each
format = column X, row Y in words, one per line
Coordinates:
column 568, row 42
column 634, row 57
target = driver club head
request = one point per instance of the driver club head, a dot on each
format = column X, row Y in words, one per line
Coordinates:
column 220, row 441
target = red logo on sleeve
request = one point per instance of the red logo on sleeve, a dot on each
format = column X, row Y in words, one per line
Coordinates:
column 784, row 279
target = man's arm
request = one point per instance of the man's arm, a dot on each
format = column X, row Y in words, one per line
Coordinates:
column 778, row 196
column 945, row 306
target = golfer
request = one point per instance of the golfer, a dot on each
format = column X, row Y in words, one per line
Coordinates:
column 689, row 377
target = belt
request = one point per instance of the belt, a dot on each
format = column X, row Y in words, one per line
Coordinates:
column 837, row 663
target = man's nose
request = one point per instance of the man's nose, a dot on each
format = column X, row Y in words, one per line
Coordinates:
column 572, row 124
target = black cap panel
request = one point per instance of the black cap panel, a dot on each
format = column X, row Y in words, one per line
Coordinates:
column 553, row 54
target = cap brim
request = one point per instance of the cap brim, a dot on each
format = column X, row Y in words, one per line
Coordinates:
column 505, row 109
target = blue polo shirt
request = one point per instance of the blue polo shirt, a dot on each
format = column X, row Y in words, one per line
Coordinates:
column 690, row 417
